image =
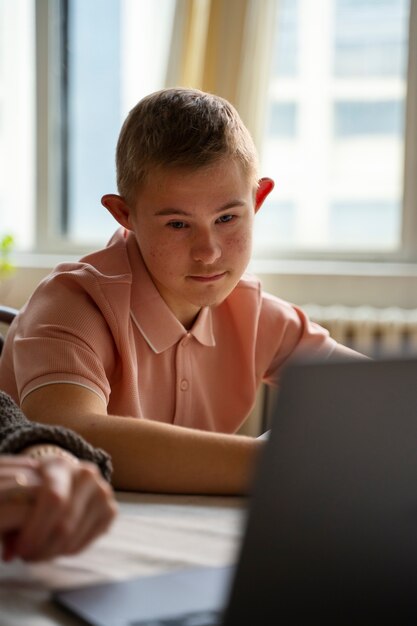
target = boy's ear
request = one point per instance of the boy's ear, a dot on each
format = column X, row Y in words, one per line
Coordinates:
column 118, row 207
column 265, row 186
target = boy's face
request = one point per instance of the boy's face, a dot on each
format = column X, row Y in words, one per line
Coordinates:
column 194, row 230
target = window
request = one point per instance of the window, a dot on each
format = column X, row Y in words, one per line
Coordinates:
column 335, row 128
column 333, row 131
column 93, row 60
column 116, row 52
column 93, row 91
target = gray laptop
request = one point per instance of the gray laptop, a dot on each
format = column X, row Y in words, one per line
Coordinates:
column 331, row 533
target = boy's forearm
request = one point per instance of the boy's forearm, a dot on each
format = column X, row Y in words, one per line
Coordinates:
column 150, row 455
column 157, row 457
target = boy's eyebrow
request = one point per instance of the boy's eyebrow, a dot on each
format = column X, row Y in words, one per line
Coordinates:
column 173, row 211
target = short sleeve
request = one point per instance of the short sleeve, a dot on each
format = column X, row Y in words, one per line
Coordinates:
column 64, row 337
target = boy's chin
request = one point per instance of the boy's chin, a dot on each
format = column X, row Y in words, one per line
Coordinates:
column 213, row 300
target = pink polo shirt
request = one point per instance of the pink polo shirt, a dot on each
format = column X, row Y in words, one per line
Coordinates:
column 102, row 324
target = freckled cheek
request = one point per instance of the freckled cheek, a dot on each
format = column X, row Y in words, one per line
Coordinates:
column 161, row 253
column 160, row 261
column 239, row 244
column 154, row 253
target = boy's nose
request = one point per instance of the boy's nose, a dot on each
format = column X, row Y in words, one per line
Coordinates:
column 205, row 249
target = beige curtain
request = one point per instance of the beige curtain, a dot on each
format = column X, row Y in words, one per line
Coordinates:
column 224, row 47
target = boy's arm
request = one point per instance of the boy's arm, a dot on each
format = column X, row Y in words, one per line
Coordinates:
column 150, row 455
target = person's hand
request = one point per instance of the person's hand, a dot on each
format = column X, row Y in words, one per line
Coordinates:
column 19, row 483
column 51, row 506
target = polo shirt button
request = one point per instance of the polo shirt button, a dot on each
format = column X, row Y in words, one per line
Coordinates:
column 184, row 385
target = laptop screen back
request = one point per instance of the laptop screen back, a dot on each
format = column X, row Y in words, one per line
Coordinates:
column 332, row 529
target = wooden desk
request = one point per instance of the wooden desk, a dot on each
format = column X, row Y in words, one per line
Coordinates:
column 151, row 534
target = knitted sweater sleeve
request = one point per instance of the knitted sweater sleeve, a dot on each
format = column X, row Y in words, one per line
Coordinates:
column 17, row 433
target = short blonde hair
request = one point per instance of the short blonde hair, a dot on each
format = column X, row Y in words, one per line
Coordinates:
column 180, row 128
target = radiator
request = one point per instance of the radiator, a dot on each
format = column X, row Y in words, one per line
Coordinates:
column 372, row 331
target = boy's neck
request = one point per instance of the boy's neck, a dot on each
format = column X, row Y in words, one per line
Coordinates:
column 188, row 322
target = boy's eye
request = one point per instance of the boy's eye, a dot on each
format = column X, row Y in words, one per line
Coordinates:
column 225, row 218
column 177, row 224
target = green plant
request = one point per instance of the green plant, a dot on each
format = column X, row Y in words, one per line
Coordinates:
column 6, row 247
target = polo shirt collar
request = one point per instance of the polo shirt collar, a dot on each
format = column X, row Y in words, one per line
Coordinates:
column 152, row 316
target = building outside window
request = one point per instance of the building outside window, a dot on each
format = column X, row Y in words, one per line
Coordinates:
column 334, row 135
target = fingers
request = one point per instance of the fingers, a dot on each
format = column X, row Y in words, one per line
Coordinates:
column 9, row 545
column 74, row 506
column 92, row 509
column 19, row 483
column 49, row 508
column 93, row 512
column 12, row 516
column 19, row 480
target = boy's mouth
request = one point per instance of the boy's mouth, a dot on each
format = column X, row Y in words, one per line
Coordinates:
column 207, row 278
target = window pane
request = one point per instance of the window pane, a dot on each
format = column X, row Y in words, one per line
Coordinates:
column 94, row 113
column 285, row 48
column 370, row 36
column 110, row 67
column 356, row 220
column 368, row 118
column 334, row 132
column 17, row 163
column 283, row 119
column 277, row 225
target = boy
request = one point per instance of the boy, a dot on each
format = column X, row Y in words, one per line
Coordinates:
column 154, row 347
